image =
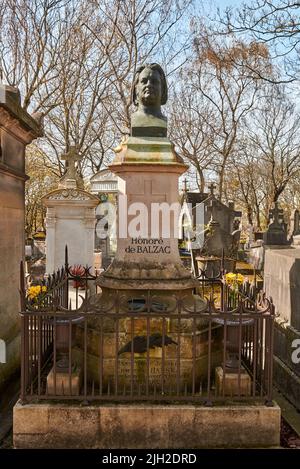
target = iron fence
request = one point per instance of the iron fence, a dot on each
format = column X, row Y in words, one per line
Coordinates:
column 146, row 347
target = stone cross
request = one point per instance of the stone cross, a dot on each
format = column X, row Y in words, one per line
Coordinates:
column 276, row 214
column 185, row 185
column 212, row 188
column 209, row 209
column 71, row 157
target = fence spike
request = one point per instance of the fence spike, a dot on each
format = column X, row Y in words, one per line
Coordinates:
column 66, row 256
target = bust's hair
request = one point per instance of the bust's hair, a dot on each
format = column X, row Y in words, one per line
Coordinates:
column 164, row 87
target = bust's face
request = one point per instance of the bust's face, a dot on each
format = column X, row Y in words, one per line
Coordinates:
column 148, row 89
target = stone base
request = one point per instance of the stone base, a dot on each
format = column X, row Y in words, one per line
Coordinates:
column 63, row 384
column 286, row 369
column 231, row 383
column 145, row 426
column 287, row 382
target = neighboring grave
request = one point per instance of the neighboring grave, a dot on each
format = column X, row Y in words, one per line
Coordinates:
column 282, row 283
column 294, row 234
column 211, row 206
column 104, row 185
column 276, row 233
column 17, row 129
column 221, row 236
column 274, row 238
column 217, row 231
column 104, row 182
column 70, row 219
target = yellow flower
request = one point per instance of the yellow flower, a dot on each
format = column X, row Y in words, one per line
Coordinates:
column 35, row 290
column 232, row 278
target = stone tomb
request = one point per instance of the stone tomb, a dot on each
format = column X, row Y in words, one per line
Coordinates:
column 276, row 234
column 148, row 169
column 282, row 283
column 116, row 355
column 17, row 130
column 70, row 220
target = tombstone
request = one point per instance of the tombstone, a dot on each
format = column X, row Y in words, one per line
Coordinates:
column 148, row 169
column 282, row 283
column 294, row 233
column 218, row 245
column 70, row 220
column 276, row 233
column 256, row 255
column 104, row 182
column 17, row 130
column 28, row 251
column 221, row 213
column 104, row 185
column 258, row 235
column 221, row 234
column 275, row 237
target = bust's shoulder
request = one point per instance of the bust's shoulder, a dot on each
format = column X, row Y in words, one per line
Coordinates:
column 143, row 119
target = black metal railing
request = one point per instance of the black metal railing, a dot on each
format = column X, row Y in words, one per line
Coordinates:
column 146, row 347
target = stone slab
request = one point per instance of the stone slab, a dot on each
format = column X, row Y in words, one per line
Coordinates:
column 63, row 383
column 282, row 283
column 145, row 426
column 232, row 385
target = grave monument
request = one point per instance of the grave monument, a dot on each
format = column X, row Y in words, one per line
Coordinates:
column 148, row 169
column 281, row 282
column 276, row 233
column 17, row 130
column 70, row 219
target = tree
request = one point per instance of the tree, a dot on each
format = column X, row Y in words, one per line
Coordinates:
column 75, row 61
column 228, row 92
column 276, row 141
column 245, row 183
column 42, row 180
column 275, row 23
column 190, row 129
column 265, row 167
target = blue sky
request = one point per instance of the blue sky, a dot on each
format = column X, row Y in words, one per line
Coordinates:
column 227, row 3
column 209, row 7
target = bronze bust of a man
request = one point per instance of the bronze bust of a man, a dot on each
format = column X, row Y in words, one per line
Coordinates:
column 150, row 92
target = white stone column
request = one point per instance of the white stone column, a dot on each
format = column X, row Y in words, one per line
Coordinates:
column 50, row 240
column 89, row 227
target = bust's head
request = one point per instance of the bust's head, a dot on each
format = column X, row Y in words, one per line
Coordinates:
column 150, row 87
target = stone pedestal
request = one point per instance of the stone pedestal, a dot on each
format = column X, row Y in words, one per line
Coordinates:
column 17, row 130
column 64, row 383
column 148, row 169
column 232, row 384
column 145, row 426
column 158, row 366
column 70, row 220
